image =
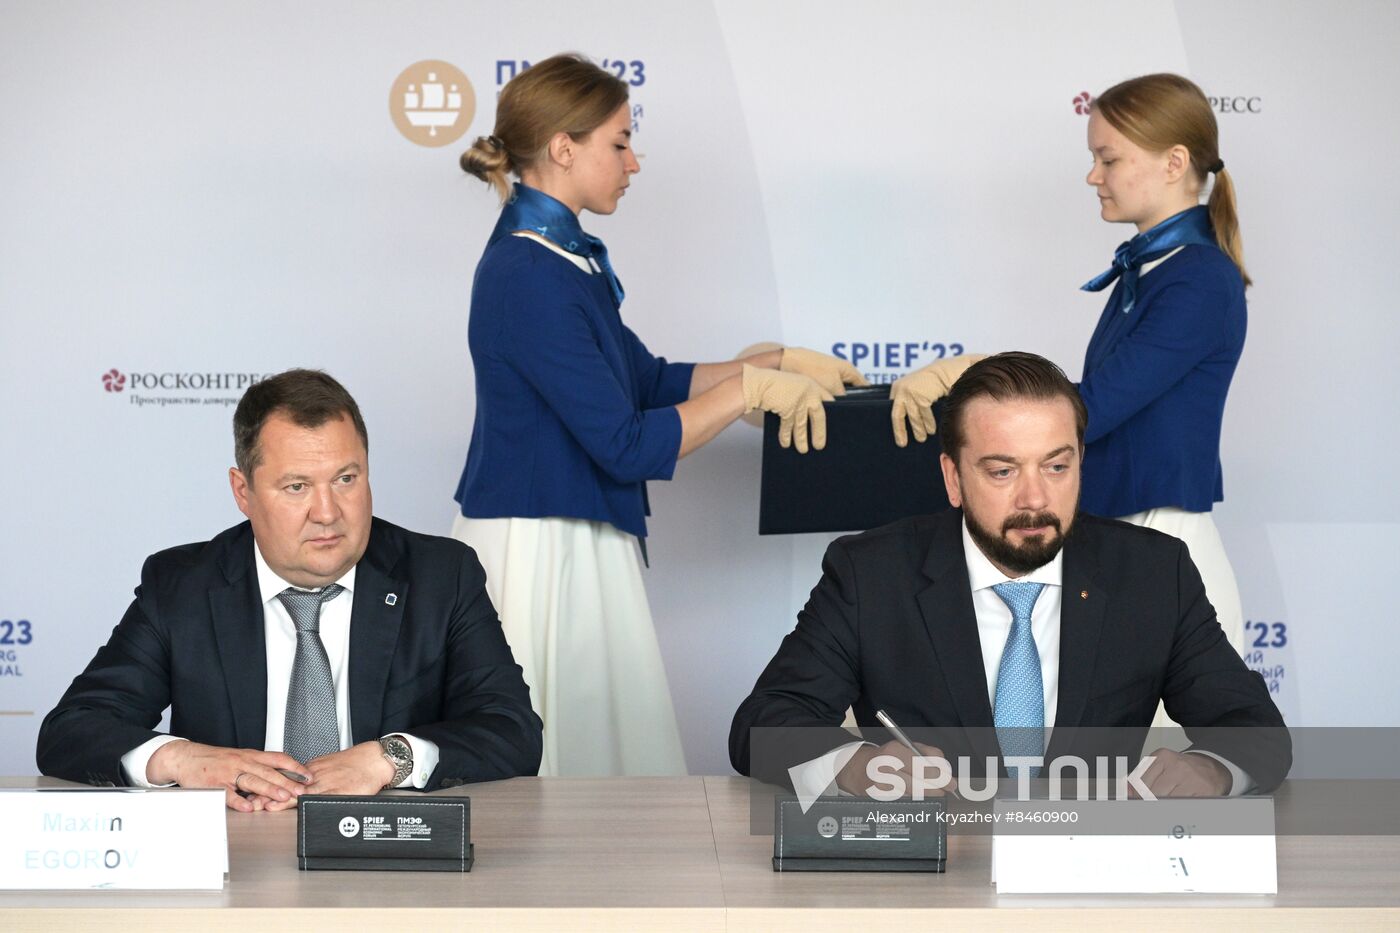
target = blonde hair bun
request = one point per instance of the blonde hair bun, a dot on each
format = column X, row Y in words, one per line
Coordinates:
column 562, row 94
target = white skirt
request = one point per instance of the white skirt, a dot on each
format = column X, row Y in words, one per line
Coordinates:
column 570, row 596
column 1202, row 539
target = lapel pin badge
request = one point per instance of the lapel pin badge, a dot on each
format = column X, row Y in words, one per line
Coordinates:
column 1083, row 594
column 391, row 599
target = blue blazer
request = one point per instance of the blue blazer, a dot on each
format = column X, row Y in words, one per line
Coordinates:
column 1155, row 382
column 573, row 414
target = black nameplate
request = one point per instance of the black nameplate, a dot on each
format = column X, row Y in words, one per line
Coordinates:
column 383, row 833
column 856, row 834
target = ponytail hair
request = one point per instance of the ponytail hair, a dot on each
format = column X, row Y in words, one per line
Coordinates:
column 1159, row 111
column 1226, row 221
column 563, row 94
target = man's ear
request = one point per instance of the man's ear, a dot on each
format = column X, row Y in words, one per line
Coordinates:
column 951, row 481
column 241, row 488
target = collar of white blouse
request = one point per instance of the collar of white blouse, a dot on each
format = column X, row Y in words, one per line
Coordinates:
column 587, row 265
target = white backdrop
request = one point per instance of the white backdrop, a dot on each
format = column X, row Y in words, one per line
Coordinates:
column 190, row 192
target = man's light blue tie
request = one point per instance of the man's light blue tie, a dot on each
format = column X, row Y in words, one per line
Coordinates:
column 311, row 728
column 1020, row 699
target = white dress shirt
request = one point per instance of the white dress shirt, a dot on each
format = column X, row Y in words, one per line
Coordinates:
column 818, row 776
column 280, row 636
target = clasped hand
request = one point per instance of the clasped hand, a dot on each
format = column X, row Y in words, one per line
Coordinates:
column 252, row 779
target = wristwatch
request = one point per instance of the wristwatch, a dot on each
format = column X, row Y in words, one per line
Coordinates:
column 400, row 754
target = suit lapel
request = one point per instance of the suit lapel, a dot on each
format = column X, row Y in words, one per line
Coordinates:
column 374, row 633
column 951, row 621
column 1083, row 604
column 241, row 643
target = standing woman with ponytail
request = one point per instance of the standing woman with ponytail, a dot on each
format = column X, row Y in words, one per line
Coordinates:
column 1159, row 364
column 574, row 415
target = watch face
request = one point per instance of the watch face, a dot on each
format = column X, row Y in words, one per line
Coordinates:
column 400, row 755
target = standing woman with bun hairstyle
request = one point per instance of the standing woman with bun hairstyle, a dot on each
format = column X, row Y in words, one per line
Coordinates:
column 1159, row 365
column 574, row 415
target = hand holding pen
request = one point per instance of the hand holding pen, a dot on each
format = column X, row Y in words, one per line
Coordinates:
column 928, row 751
column 857, row 777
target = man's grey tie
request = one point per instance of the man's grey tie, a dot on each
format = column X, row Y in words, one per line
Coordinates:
column 311, row 728
column 1020, row 696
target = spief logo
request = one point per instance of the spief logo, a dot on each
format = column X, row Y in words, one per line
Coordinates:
column 113, row 380
column 432, row 103
column 1083, row 102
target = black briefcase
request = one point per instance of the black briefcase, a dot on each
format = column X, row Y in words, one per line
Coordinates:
column 861, row 480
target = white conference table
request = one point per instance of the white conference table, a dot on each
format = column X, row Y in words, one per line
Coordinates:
column 677, row 854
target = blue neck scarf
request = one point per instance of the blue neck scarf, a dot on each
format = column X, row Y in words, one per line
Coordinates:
column 537, row 212
column 1189, row 228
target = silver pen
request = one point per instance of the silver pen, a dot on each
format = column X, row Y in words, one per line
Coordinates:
column 904, row 740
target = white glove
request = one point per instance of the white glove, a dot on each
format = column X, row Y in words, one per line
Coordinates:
column 794, row 398
column 913, row 395
column 830, row 373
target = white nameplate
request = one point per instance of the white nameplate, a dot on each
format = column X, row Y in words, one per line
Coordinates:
column 1210, row 845
column 62, row 838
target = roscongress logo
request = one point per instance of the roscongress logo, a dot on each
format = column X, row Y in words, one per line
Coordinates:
column 163, row 389
column 1224, row 104
column 432, row 103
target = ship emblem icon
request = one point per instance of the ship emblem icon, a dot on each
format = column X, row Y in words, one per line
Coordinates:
column 432, row 103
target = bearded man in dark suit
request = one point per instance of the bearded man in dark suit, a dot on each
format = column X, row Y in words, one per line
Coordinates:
column 1008, row 616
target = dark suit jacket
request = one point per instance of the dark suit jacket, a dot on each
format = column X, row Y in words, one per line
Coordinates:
column 434, row 664
column 891, row 626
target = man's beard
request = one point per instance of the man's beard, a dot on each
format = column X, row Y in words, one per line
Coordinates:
column 1032, row 553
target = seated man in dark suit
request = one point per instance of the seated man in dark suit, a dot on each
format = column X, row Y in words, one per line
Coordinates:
column 312, row 641
column 1008, row 615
